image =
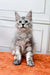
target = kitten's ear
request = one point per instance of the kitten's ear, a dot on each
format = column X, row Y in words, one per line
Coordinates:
column 17, row 17
column 29, row 15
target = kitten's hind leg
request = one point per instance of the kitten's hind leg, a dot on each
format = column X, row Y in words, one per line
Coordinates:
column 17, row 57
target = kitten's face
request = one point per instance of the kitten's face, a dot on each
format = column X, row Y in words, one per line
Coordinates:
column 24, row 23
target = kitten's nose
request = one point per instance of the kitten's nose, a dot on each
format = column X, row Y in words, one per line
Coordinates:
column 22, row 25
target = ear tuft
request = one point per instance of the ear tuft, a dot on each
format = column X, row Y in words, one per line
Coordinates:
column 29, row 15
column 16, row 16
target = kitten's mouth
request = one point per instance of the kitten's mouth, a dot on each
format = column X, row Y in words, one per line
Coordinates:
column 23, row 28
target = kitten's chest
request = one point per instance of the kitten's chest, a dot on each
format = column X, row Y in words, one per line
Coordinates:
column 22, row 44
column 24, row 36
column 22, row 40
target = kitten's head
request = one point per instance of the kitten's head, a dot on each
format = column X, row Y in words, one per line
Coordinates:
column 24, row 23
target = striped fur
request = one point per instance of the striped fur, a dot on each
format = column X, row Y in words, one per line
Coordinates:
column 22, row 44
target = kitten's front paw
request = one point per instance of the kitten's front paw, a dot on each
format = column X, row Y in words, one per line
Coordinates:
column 30, row 63
column 16, row 62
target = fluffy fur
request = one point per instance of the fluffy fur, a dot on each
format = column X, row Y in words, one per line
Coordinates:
column 22, row 44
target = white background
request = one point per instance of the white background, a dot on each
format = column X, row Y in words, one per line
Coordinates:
column 41, row 22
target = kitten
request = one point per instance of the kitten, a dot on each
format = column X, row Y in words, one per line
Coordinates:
column 22, row 44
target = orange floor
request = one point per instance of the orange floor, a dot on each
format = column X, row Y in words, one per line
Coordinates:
column 42, row 65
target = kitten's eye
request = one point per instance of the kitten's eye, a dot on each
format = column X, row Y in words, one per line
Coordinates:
column 26, row 21
column 20, row 21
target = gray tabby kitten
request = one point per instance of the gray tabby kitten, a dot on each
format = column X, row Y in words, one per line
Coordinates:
column 22, row 44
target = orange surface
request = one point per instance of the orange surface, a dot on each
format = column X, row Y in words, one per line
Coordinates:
column 42, row 65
